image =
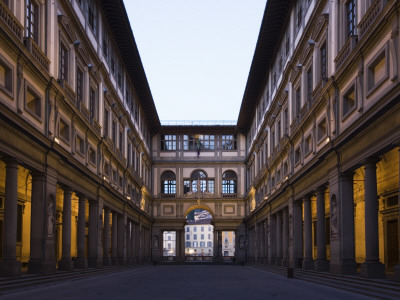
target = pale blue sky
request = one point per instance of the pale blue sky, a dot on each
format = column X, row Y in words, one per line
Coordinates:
column 196, row 53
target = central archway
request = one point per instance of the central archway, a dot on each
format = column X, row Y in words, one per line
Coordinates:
column 199, row 234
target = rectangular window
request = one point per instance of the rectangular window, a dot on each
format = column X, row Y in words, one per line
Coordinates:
column 107, row 169
column 209, row 244
column 324, row 61
column 114, row 132
column 187, row 244
column 321, row 130
column 105, row 44
column 80, row 145
column 64, row 130
column 32, row 20
column 168, row 142
column 121, row 140
column 307, row 145
column 206, row 141
column 297, row 102
column 286, row 121
column 188, row 236
column 210, row 186
column 186, row 186
column 63, row 63
column 92, row 103
column 349, row 101
column 195, row 236
column 92, row 17
column 309, row 83
column 202, row 237
column 5, row 77
column 33, row 103
column 106, row 122
column 79, row 84
column 351, row 18
column 229, row 142
column 92, row 155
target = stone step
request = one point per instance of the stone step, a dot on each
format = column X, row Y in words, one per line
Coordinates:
column 33, row 280
column 378, row 288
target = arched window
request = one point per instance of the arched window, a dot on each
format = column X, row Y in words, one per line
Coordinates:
column 198, row 181
column 229, row 184
column 168, row 184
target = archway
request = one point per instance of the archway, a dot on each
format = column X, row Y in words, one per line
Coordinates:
column 199, row 234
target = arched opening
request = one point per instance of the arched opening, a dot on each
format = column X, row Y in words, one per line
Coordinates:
column 229, row 184
column 199, row 235
column 168, row 184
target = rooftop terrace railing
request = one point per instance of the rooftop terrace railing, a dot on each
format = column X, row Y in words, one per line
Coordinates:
column 198, row 122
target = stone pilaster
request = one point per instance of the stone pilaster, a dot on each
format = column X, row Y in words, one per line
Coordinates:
column 285, row 237
column 321, row 264
column 114, row 239
column 66, row 262
column 308, row 262
column 94, row 238
column 81, row 261
column 297, row 234
column 279, row 238
column 397, row 267
column 371, row 268
column 121, row 240
column 9, row 266
column 346, row 228
column 106, row 238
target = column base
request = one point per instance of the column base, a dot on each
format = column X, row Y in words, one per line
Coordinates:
column 81, row 263
column 345, row 267
column 122, row 260
column 373, row 270
column 10, row 268
column 114, row 260
column 285, row 262
column 66, row 264
column 308, row 264
column 106, row 261
column 397, row 273
column 298, row 263
column 278, row 261
column 38, row 266
column 94, row 262
column 321, row 265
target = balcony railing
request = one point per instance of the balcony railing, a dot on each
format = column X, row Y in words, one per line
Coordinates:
column 34, row 49
column 229, row 195
column 10, row 20
column 164, row 195
column 371, row 14
column 345, row 51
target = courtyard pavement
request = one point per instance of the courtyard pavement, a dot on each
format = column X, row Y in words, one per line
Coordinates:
column 184, row 282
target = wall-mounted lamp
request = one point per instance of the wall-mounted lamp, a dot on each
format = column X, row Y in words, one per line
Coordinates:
column 90, row 67
column 56, row 140
column 311, row 42
column 105, row 90
column 77, row 43
column 299, row 66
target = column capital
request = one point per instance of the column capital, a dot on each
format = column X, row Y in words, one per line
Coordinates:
column 10, row 161
column 320, row 190
column 371, row 162
column 37, row 174
column 66, row 188
column 81, row 197
column 346, row 175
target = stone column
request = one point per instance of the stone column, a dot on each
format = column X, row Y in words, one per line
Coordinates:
column 128, row 242
column 106, row 238
column 95, row 229
column 215, row 245
column 81, row 261
column 262, row 242
column 371, row 268
column 66, row 262
column 308, row 262
column 321, row 263
column 397, row 267
column 9, row 266
column 114, row 239
column 265, row 224
column 297, row 234
column 285, row 237
column 134, row 243
column 346, row 203
column 279, row 238
column 42, row 216
column 121, row 239
column 272, row 233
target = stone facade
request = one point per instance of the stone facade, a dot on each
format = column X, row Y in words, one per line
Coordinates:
column 307, row 178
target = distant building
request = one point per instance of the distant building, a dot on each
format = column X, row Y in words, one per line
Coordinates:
column 199, row 238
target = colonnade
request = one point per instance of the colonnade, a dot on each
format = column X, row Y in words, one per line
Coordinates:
column 105, row 225
column 285, row 236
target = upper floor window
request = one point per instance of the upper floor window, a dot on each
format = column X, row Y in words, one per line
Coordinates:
column 106, row 122
column 168, row 142
column 63, row 64
column 351, row 18
column 92, row 103
column 168, row 183
column 323, row 61
column 6, row 76
column 32, row 20
column 229, row 142
column 79, row 84
column 309, row 83
column 198, row 181
column 229, row 184
column 92, row 16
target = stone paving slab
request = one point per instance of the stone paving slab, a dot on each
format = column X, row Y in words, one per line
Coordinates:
column 185, row 282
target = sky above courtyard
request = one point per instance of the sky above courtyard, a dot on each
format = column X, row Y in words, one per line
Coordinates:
column 196, row 54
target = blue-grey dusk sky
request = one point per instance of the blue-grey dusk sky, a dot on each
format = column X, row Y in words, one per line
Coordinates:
column 196, row 53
